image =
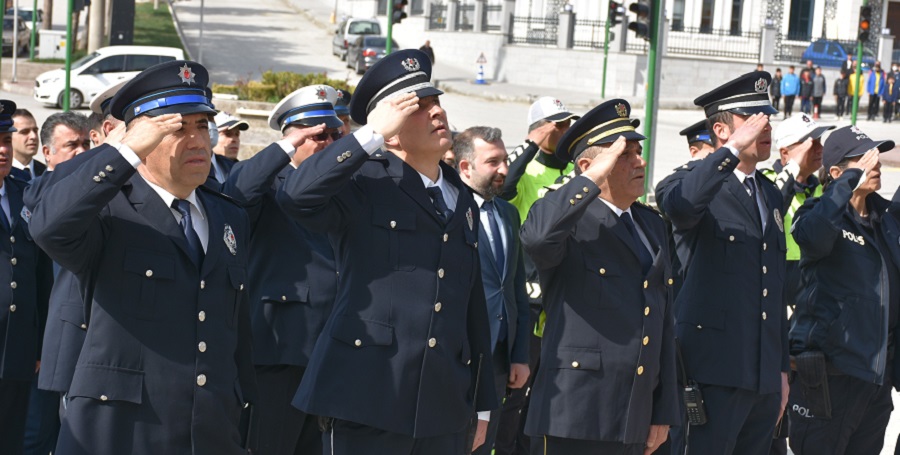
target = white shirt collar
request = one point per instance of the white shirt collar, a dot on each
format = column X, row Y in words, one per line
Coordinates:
column 167, row 197
column 18, row 165
column 427, row 181
column 741, row 176
column 615, row 209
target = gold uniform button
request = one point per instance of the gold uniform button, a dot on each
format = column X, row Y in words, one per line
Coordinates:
column 340, row 159
column 83, row 326
column 201, row 316
column 446, row 237
column 202, row 284
column 765, row 270
column 97, row 178
column 640, row 370
column 108, row 168
column 720, row 168
column 104, row 398
column 578, row 196
column 393, row 224
column 13, row 285
column 201, row 346
column 12, row 308
column 201, row 380
column 646, row 284
column 585, row 189
column 357, row 343
column 764, row 316
column 437, row 307
column 603, row 271
column 432, row 342
column 148, row 273
column 572, row 201
column 101, row 174
column 440, row 273
column 730, row 238
column 670, row 281
column 13, row 261
column 646, row 311
column 765, row 292
column 646, row 340
column 575, row 364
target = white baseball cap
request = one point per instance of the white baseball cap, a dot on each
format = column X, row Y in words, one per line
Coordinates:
column 226, row 121
column 550, row 109
column 797, row 129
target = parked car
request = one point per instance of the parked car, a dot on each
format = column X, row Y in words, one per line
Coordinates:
column 98, row 70
column 366, row 50
column 349, row 30
column 832, row 54
column 25, row 14
column 23, row 34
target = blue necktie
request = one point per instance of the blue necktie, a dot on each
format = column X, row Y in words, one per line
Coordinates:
column 750, row 184
column 440, row 206
column 187, row 226
column 643, row 253
column 497, row 244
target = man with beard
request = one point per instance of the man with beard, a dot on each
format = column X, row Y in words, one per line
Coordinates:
column 293, row 269
column 403, row 361
column 25, row 146
column 732, row 325
column 482, row 167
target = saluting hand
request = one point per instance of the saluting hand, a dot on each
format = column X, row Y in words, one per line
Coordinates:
column 146, row 133
column 116, row 135
column 867, row 162
column 799, row 155
column 299, row 135
column 389, row 115
column 745, row 136
column 602, row 164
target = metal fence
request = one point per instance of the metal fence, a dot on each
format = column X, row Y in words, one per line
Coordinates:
column 438, row 18
column 465, row 17
column 714, row 43
column 534, row 30
column 589, row 34
column 493, row 18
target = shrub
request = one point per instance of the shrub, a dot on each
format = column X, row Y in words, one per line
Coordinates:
column 277, row 85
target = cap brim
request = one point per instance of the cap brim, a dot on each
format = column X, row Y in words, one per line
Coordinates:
column 753, row 110
column 886, row 146
column 815, row 134
column 428, row 91
column 11, row 129
column 561, row 117
column 628, row 135
column 183, row 109
column 861, row 149
column 239, row 124
column 330, row 122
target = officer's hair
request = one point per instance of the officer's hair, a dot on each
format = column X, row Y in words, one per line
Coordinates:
column 464, row 143
column 720, row 117
column 590, row 153
column 73, row 120
column 537, row 125
column 825, row 173
column 95, row 121
column 22, row 113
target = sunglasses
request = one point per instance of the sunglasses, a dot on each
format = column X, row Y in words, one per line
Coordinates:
column 335, row 135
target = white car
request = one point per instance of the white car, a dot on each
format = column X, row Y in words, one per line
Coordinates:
column 96, row 71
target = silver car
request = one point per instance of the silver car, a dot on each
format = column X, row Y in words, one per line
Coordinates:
column 349, row 30
column 23, row 33
column 366, row 50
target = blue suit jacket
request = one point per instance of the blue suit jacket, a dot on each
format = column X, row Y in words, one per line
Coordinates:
column 293, row 269
column 27, row 275
column 401, row 349
column 166, row 364
column 506, row 288
column 730, row 313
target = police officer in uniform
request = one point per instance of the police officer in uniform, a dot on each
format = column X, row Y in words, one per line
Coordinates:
column 730, row 315
column 342, row 109
column 404, row 360
column 847, row 310
column 607, row 378
column 292, row 268
column 166, row 364
column 28, row 277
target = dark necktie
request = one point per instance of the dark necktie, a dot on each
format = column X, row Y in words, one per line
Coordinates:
column 187, row 226
column 440, row 206
column 4, row 220
column 497, row 244
column 643, row 253
column 750, row 184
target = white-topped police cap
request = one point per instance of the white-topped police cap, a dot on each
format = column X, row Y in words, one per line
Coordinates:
column 226, row 121
column 550, row 109
column 401, row 72
column 746, row 95
column 174, row 87
column 101, row 103
column 797, row 129
column 310, row 106
column 7, row 108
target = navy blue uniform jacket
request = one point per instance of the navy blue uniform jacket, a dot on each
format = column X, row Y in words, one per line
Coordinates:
column 401, row 349
column 607, row 356
column 166, row 364
column 730, row 315
column 292, row 269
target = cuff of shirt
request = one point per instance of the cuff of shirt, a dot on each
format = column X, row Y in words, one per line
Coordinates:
column 287, row 147
column 484, row 415
column 129, row 155
column 862, row 179
column 368, row 139
column 734, row 151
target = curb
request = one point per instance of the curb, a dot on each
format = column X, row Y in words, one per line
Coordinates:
column 17, row 88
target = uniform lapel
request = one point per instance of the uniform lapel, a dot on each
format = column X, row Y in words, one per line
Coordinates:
column 410, row 182
column 216, row 243
column 14, row 195
column 609, row 219
column 639, row 218
column 151, row 206
column 739, row 192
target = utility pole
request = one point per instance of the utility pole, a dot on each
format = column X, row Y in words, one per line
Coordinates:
column 69, row 38
column 390, row 27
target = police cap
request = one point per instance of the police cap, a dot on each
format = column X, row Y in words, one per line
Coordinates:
column 309, row 106
column 697, row 133
column 7, row 108
column 602, row 125
column 175, row 87
column 746, row 95
column 401, row 72
column 342, row 105
column 850, row 142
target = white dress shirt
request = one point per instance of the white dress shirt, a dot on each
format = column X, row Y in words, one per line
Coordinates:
column 198, row 216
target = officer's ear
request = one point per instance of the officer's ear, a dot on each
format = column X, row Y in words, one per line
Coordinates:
column 722, row 132
column 783, row 151
column 465, row 167
column 583, row 162
column 835, row 172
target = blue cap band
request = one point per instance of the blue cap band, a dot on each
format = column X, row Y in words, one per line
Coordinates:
column 703, row 137
column 307, row 114
column 170, row 101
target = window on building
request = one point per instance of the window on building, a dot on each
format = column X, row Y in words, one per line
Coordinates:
column 706, row 16
column 800, row 20
column 678, row 16
column 737, row 13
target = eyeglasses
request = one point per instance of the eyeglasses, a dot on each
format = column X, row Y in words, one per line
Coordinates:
column 335, row 135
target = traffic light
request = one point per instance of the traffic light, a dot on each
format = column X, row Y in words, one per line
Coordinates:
column 614, row 17
column 643, row 25
column 399, row 14
column 865, row 22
